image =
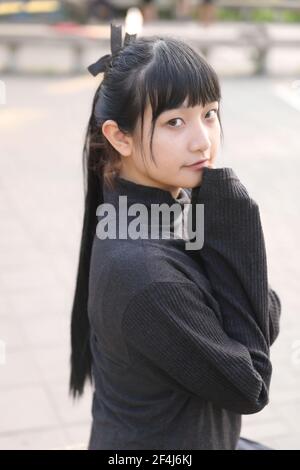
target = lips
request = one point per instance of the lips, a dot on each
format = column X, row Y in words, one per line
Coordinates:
column 198, row 163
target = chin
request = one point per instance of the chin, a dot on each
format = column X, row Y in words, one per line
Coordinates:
column 191, row 181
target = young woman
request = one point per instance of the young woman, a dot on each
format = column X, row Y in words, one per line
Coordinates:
column 175, row 340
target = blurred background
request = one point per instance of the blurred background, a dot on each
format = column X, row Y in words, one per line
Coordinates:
column 45, row 100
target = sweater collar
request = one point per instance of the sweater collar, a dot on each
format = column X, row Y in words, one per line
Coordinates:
column 147, row 196
column 139, row 193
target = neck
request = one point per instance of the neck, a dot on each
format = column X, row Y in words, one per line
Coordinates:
column 146, row 181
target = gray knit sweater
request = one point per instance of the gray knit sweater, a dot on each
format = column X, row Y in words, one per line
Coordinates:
column 180, row 339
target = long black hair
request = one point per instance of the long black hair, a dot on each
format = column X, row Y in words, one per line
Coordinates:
column 162, row 71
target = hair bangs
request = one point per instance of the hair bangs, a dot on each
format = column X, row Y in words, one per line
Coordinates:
column 173, row 77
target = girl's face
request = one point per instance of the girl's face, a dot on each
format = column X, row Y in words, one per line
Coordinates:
column 181, row 137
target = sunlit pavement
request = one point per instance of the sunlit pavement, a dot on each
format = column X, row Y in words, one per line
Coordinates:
column 42, row 124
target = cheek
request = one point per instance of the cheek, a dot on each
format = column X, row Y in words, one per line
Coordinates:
column 162, row 141
column 170, row 154
column 164, row 147
column 215, row 137
column 170, row 145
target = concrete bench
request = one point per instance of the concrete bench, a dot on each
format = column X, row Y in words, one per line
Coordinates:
column 14, row 37
column 253, row 36
column 250, row 35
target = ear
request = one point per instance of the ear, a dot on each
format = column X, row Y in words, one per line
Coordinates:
column 121, row 142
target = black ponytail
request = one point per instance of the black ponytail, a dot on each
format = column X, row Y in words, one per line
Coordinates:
column 80, row 329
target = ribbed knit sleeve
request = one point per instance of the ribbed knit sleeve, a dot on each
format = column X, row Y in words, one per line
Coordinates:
column 234, row 257
column 170, row 325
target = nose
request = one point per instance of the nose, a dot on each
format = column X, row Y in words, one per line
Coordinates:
column 199, row 138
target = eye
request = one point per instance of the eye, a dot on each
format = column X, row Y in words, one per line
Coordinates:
column 211, row 110
column 174, row 120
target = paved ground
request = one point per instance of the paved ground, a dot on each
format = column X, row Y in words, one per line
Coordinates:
column 42, row 126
